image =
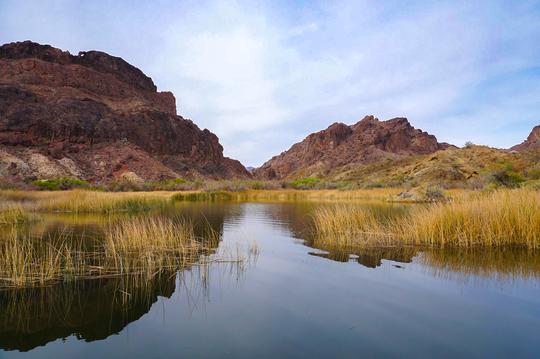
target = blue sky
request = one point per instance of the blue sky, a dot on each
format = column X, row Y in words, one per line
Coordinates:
column 264, row 74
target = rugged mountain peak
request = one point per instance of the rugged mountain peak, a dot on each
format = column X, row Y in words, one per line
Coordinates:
column 532, row 141
column 95, row 116
column 96, row 60
column 333, row 135
column 369, row 140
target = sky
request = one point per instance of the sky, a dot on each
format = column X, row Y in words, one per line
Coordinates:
column 262, row 75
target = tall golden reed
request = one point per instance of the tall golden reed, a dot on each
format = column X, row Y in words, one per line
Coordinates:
column 499, row 218
column 138, row 246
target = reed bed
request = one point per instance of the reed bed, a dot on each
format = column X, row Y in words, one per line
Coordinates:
column 346, row 225
column 150, row 244
column 18, row 206
column 13, row 213
column 289, row 195
column 81, row 201
column 138, row 246
column 500, row 218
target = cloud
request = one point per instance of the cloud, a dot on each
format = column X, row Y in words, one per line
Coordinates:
column 262, row 75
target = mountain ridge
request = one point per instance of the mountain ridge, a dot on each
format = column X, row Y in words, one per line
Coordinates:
column 367, row 141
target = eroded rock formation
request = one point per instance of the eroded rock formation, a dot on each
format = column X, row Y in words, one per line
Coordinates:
column 367, row 141
column 94, row 116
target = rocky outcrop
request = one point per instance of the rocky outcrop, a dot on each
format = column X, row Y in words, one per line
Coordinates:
column 531, row 143
column 95, row 117
column 368, row 141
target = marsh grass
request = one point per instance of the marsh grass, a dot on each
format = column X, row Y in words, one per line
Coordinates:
column 499, row 218
column 143, row 247
column 17, row 205
column 13, row 213
column 287, row 195
column 81, row 201
column 150, row 244
column 345, row 225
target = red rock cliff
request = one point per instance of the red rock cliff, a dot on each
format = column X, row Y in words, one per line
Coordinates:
column 94, row 116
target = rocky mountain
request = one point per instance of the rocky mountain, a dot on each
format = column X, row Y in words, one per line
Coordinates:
column 94, row 116
column 531, row 143
column 367, row 141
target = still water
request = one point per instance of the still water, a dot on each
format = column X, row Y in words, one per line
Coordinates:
column 292, row 300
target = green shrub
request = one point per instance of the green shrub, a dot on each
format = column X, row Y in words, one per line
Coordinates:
column 305, row 183
column 174, row 184
column 507, row 177
column 63, row 183
column 534, row 173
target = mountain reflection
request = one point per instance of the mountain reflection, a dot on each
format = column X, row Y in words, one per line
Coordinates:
column 370, row 257
column 90, row 310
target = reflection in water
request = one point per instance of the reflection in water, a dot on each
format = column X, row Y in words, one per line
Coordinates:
column 96, row 309
column 370, row 257
column 91, row 310
column 493, row 263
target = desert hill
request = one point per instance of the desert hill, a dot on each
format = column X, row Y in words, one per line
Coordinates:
column 368, row 141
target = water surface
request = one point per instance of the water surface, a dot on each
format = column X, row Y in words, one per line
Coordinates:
column 295, row 301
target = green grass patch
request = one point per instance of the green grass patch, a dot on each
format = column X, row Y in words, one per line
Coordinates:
column 305, row 183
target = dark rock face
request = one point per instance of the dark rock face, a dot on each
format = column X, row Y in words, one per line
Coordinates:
column 367, row 141
column 531, row 143
column 94, row 116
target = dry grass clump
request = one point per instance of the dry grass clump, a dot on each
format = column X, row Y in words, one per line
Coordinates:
column 151, row 244
column 138, row 246
column 500, row 218
column 346, row 225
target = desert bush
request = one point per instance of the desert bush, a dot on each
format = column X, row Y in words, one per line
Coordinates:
column 63, row 183
column 305, row 183
column 506, row 177
column 434, row 194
